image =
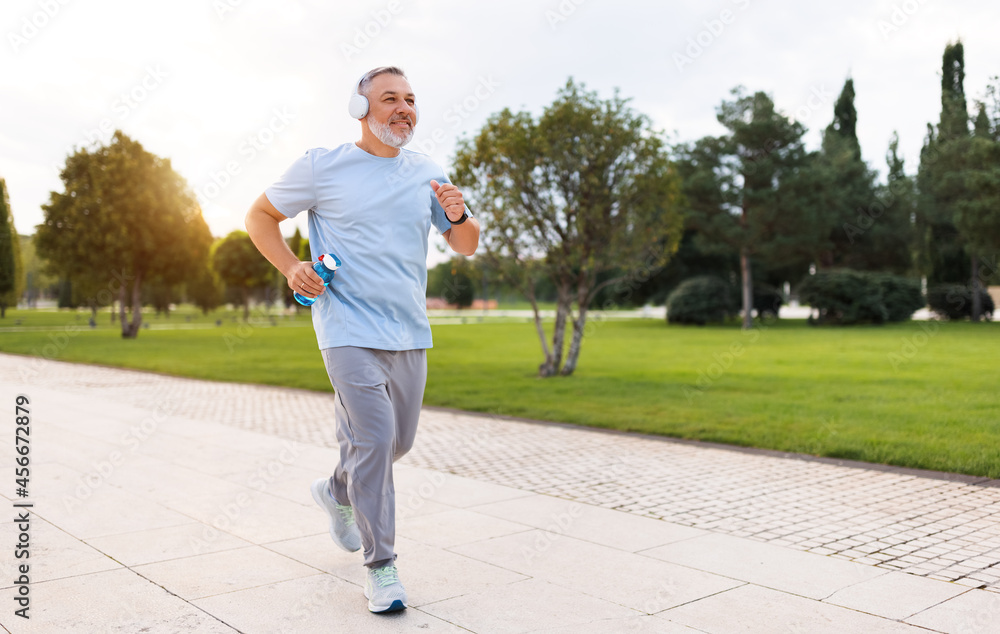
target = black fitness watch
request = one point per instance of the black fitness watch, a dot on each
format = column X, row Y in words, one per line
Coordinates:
column 465, row 216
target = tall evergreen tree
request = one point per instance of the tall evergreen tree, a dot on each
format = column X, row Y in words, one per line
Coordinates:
column 755, row 189
column 940, row 178
column 11, row 266
column 952, row 184
column 868, row 231
column 977, row 216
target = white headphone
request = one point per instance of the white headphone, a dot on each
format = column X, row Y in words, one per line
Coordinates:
column 357, row 107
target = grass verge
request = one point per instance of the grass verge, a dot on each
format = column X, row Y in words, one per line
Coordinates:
column 918, row 395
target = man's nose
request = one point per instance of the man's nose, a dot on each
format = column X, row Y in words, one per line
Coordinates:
column 407, row 109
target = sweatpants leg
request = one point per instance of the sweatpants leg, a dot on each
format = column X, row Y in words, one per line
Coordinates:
column 378, row 400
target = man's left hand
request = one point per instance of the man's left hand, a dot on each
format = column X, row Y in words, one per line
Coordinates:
column 450, row 198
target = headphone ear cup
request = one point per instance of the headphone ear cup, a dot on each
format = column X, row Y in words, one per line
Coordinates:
column 358, row 106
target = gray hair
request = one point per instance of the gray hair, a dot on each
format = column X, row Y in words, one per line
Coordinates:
column 365, row 85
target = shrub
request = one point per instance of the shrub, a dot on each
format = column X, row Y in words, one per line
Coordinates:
column 700, row 300
column 767, row 300
column 901, row 295
column 844, row 297
column 954, row 301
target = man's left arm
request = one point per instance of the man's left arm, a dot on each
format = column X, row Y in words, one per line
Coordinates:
column 462, row 238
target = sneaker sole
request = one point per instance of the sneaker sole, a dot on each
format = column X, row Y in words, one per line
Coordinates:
column 317, row 493
column 395, row 606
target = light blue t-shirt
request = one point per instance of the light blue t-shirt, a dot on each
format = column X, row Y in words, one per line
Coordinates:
column 375, row 214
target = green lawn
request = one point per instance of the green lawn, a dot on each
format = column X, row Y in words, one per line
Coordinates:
column 915, row 394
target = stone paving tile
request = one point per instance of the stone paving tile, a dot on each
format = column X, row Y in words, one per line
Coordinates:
column 937, row 528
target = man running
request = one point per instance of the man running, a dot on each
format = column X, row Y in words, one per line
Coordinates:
column 372, row 204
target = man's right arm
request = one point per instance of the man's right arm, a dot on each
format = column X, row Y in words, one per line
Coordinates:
column 262, row 225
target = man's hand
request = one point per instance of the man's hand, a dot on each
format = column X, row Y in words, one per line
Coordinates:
column 302, row 278
column 450, row 198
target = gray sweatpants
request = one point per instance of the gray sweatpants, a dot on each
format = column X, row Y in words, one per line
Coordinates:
column 379, row 394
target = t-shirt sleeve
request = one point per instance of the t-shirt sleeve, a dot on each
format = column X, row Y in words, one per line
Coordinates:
column 438, row 217
column 295, row 191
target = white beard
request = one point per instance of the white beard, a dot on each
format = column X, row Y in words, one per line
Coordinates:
column 385, row 134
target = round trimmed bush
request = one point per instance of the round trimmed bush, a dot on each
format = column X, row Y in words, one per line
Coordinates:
column 700, row 300
column 844, row 297
column 901, row 295
column 767, row 300
column 954, row 301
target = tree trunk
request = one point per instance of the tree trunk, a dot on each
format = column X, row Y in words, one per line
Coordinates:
column 977, row 300
column 130, row 330
column 559, row 329
column 575, row 344
column 121, row 310
column 529, row 292
column 747, row 289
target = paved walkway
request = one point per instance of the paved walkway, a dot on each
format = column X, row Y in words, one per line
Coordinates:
column 172, row 505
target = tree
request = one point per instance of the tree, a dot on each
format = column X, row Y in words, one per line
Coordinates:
column 585, row 189
column 205, row 289
column 977, row 215
column 295, row 244
column 125, row 218
column 454, row 281
column 11, row 264
column 940, row 178
column 755, row 190
column 868, row 229
column 241, row 266
column 35, row 278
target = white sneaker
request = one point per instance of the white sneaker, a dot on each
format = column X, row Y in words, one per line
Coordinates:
column 384, row 591
column 343, row 530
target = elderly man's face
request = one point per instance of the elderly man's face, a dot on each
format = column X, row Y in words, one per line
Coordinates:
column 391, row 110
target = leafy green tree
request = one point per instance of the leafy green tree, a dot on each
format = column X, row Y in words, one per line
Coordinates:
column 755, row 190
column 454, row 281
column 585, row 189
column 288, row 295
column 241, row 266
column 37, row 281
column 11, row 265
column 205, row 289
column 126, row 218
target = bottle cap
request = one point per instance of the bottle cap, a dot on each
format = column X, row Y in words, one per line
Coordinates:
column 330, row 261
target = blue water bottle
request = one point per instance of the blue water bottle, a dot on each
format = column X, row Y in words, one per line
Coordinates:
column 326, row 267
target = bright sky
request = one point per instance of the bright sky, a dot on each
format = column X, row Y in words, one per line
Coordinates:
column 232, row 91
